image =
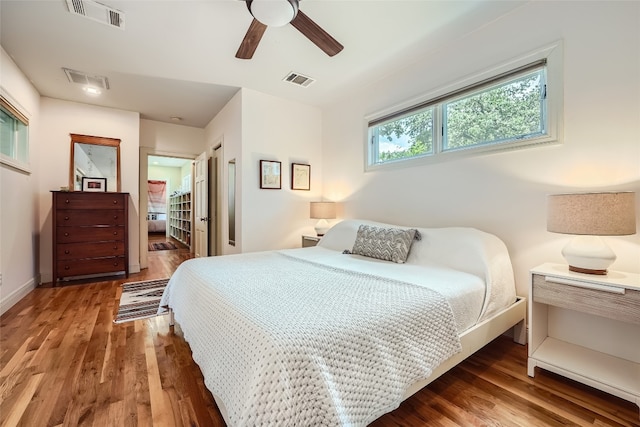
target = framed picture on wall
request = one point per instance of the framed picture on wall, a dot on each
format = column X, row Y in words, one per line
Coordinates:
column 94, row 184
column 270, row 177
column 300, row 176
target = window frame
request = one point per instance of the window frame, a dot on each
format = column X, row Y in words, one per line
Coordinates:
column 551, row 56
column 16, row 113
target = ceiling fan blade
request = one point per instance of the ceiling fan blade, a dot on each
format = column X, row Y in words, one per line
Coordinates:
column 317, row 35
column 251, row 40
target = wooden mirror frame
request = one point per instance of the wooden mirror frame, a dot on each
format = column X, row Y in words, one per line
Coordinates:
column 95, row 140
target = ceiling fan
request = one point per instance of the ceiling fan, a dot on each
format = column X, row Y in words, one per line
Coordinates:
column 278, row 13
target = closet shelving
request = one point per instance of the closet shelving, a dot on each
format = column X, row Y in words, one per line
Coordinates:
column 180, row 217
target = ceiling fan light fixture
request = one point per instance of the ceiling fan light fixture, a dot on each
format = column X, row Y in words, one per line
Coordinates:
column 273, row 13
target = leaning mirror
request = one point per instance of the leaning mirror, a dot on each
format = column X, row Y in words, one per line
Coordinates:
column 94, row 157
column 232, row 202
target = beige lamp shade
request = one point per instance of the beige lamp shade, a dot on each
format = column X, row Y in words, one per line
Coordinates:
column 322, row 211
column 596, row 214
column 590, row 215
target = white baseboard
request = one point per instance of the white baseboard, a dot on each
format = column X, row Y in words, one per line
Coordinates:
column 8, row 301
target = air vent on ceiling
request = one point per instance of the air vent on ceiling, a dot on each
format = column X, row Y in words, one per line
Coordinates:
column 97, row 12
column 298, row 79
column 86, row 79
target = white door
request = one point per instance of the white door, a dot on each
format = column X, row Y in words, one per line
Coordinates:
column 201, row 195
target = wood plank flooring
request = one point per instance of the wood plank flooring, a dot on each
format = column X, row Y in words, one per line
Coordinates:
column 64, row 362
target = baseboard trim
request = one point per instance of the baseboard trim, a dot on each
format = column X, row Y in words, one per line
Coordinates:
column 10, row 300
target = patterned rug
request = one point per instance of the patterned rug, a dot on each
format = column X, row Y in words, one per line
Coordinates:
column 140, row 300
column 162, row 246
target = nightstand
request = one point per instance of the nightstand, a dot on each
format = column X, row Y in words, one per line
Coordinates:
column 587, row 328
column 308, row 241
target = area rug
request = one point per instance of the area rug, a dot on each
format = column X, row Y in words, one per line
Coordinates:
column 162, row 246
column 140, row 300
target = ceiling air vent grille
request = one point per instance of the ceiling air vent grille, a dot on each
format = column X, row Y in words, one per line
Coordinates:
column 86, row 79
column 97, row 12
column 298, row 79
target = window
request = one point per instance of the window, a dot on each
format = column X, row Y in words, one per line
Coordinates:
column 14, row 136
column 506, row 109
column 501, row 113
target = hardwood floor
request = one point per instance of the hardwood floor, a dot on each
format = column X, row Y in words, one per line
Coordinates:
column 64, row 362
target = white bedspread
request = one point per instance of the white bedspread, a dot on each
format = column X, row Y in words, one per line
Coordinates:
column 285, row 341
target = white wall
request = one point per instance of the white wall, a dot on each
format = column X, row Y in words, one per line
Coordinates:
column 18, row 196
column 226, row 128
column 61, row 118
column 505, row 193
column 172, row 175
column 254, row 126
column 171, row 139
column 288, row 132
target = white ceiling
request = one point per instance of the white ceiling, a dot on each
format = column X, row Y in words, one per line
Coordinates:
column 177, row 57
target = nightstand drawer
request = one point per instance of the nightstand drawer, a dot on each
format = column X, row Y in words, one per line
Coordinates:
column 624, row 307
column 309, row 241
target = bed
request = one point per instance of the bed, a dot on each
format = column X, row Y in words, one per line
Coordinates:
column 343, row 332
column 157, row 223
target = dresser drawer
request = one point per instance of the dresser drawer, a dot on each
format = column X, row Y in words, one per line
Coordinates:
column 68, row 251
column 624, row 307
column 90, row 201
column 89, row 234
column 90, row 266
column 90, row 217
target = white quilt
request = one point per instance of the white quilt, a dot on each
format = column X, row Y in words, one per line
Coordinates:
column 288, row 342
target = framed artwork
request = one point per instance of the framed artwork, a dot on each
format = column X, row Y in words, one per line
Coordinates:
column 270, row 177
column 300, row 176
column 94, row 184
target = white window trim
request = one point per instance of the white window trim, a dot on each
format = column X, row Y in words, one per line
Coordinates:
column 10, row 161
column 554, row 54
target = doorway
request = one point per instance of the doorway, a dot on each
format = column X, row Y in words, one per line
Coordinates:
column 147, row 157
column 171, row 223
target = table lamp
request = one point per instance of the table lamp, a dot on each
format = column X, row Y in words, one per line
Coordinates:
column 590, row 215
column 322, row 211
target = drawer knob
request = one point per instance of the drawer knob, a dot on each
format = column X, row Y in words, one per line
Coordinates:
column 66, row 201
column 66, row 267
column 66, row 252
column 115, row 217
column 115, row 202
column 115, row 264
column 115, row 233
column 66, row 218
column 66, row 234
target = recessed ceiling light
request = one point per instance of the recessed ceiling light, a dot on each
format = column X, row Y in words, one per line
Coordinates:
column 176, row 118
column 92, row 90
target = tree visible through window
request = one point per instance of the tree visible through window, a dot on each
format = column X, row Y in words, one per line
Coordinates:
column 502, row 111
column 513, row 110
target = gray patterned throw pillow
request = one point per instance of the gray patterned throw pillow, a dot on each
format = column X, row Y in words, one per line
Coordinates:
column 389, row 244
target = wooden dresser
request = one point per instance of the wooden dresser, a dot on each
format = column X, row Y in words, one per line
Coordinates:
column 90, row 234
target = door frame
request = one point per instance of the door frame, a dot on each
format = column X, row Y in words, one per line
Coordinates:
column 215, row 197
column 145, row 152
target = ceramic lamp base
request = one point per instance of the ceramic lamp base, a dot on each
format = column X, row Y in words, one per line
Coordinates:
column 588, row 254
column 322, row 227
